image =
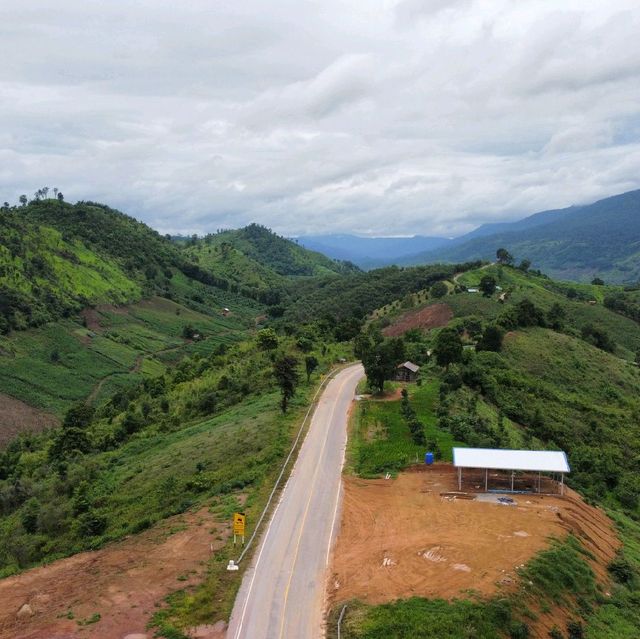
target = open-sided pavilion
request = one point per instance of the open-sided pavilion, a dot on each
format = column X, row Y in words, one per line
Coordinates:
column 513, row 461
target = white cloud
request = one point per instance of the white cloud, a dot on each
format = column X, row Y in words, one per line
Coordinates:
column 391, row 118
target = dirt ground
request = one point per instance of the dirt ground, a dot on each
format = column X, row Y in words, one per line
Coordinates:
column 17, row 417
column 123, row 583
column 432, row 316
column 401, row 538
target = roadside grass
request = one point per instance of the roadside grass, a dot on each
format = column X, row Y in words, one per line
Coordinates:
column 380, row 440
column 213, row 599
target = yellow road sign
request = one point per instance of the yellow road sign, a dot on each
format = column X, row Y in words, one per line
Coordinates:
column 239, row 521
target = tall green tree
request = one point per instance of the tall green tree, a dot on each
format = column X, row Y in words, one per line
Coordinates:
column 504, row 257
column 491, row 339
column 285, row 370
column 448, row 348
column 488, row 285
column 310, row 363
column 379, row 356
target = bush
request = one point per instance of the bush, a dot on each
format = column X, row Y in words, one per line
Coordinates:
column 575, row 630
column 518, row 630
column 621, row 570
column 91, row 524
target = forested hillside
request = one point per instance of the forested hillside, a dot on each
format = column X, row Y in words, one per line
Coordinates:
column 579, row 243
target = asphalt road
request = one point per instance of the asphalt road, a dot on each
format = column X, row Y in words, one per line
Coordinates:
column 282, row 593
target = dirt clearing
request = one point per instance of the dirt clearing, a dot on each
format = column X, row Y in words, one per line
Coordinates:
column 18, row 417
column 401, row 538
column 432, row 316
column 121, row 583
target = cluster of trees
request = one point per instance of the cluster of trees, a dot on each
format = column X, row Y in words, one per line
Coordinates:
column 416, row 427
column 357, row 295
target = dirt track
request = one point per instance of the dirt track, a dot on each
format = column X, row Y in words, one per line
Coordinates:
column 432, row 316
column 122, row 583
column 400, row 538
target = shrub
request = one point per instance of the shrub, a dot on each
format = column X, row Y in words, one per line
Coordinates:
column 621, row 570
column 575, row 630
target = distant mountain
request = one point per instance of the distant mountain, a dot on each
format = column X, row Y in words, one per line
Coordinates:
column 577, row 243
column 370, row 252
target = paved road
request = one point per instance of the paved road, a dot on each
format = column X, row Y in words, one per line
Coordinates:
column 282, row 594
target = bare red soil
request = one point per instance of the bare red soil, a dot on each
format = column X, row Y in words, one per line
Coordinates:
column 432, row 316
column 123, row 583
column 401, row 538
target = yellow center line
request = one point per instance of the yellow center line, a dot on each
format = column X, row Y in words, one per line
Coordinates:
column 306, row 510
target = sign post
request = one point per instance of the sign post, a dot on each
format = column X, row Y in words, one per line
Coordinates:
column 239, row 521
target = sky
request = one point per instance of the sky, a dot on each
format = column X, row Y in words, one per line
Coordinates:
column 373, row 117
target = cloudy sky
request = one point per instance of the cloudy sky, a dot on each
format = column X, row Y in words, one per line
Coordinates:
column 375, row 117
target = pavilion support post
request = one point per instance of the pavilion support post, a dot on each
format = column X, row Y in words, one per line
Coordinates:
column 562, row 483
column 512, row 478
column 539, row 482
column 486, row 480
column 460, row 479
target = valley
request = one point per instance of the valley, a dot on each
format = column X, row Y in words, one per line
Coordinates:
column 141, row 413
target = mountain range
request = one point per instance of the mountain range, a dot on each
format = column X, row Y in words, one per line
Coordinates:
column 577, row 243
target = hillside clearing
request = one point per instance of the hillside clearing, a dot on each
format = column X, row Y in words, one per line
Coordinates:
column 18, row 417
column 400, row 538
column 121, row 582
column 425, row 318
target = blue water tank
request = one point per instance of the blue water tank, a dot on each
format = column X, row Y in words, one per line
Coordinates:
column 428, row 458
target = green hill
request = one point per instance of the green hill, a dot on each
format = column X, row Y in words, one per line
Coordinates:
column 261, row 263
column 600, row 239
column 92, row 300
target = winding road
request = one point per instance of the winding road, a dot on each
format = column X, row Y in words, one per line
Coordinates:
column 282, row 593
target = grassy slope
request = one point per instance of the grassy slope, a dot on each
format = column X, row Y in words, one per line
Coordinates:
column 134, row 342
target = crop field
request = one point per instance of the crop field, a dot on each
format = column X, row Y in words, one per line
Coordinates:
column 380, row 439
column 59, row 364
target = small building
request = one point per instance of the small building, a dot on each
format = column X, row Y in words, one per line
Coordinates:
column 517, row 470
column 407, row 372
column 225, row 311
column 473, row 290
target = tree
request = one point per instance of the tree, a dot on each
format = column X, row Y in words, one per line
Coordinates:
column 311, row 363
column 79, row 416
column 60, row 197
column 528, row 314
column 488, row 285
column 379, row 356
column 597, row 281
column 504, row 257
column 448, row 348
column 598, row 337
column 267, row 339
column 285, row 370
column 23, row 200
column 556, row 317
column 439, row 289
column 525, row 265
column 491, row 339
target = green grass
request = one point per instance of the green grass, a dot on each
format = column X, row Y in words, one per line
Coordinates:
column 380, row 439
